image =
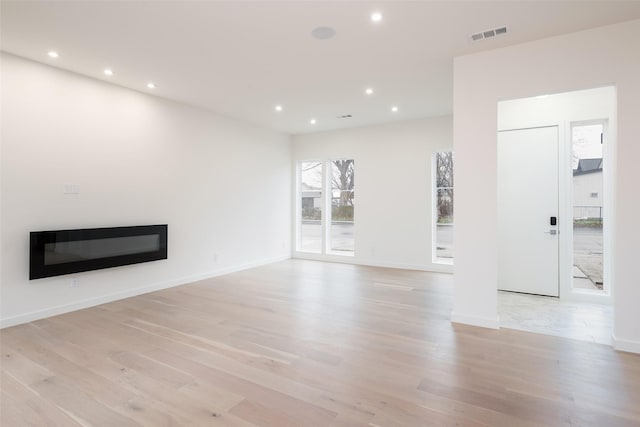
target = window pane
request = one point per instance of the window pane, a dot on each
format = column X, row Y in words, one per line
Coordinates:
column 342, row 207
column 444, row 205
column 444, row 169
column 311, row 207
column 444, row 225
column 443, row 217
column 588, row 254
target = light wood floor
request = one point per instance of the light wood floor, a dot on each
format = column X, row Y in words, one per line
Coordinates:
column 302, row 343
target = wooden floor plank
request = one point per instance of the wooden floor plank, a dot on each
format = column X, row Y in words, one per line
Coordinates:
column 305, row 343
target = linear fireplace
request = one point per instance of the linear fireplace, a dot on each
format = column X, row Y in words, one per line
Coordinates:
column 54, row 253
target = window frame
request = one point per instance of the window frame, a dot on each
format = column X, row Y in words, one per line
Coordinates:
column 326, row 209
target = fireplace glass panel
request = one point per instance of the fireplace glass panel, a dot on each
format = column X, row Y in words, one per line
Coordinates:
column 62, row 252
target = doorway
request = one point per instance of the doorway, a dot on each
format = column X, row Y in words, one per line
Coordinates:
column 556, row 147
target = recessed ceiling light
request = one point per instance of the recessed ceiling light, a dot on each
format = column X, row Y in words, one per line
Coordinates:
column 323, row 33
column 278, row 107
column 108, row 72
column 312, row 121
column 151, row 85
column 394, row 109
column 53, row 54
column 369, row 91
column 376, row 17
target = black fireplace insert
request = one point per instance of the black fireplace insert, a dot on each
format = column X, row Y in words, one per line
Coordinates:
column 54, row 253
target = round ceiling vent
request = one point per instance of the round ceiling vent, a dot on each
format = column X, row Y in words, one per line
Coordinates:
column 323, row 33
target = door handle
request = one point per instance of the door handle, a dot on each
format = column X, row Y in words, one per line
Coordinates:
column 552, row 232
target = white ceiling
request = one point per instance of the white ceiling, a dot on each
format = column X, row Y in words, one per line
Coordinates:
column 242, row 58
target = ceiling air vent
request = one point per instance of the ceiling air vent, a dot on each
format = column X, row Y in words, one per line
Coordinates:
column 346, row 116
column 487, row 34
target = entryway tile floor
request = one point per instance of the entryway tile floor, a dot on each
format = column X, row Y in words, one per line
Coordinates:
column 551, row 316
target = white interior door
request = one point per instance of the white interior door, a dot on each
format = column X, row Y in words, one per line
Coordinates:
column 527, row 201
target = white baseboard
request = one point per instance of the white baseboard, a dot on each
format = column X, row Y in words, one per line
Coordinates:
column 625, row 345
column 103, row 299
column 483, row 322
column 434, row 268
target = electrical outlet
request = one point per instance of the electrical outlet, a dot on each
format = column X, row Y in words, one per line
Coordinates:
column 75, row 282
column 215, row 257
column 71, row 189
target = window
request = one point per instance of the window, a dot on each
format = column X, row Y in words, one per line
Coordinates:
column 587, row 147
column 342, row 197
column 310, row 223
column 443, row 207
column 335, row 235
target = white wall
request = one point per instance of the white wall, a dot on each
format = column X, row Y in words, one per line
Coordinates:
column 393, row 187
column 595, row 58
column 222, row 186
